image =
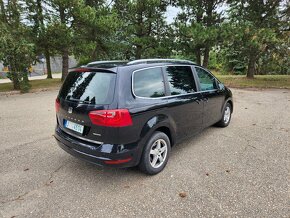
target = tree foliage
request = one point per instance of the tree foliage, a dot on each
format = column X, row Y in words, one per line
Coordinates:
column 238, row 36
column 16, row 48
column 198, row 27
column 257, row 29
column 143, row 30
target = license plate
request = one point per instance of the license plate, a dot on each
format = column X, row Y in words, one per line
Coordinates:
column 74, row 126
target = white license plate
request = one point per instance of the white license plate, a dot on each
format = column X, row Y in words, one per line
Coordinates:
column 74, row 126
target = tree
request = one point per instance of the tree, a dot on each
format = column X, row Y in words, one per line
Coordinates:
column 198, row 27
column 16, row 49
column 66, row 14
column 39, row 17
column 96, row 35
column 143, row 29
column 256, row 27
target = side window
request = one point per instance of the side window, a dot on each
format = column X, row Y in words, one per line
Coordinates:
column 207, row 81
column 180, row 80
column 149, row 83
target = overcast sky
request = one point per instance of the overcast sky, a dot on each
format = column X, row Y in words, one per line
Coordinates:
column 171, row 13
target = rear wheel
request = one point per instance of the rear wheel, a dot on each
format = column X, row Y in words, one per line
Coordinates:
column 227, row 114
column 155, row 154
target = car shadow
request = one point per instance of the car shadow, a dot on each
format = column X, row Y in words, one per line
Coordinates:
column 185, row 144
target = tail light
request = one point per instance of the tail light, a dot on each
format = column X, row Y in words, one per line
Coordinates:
column 57, row 105
column 111, row 118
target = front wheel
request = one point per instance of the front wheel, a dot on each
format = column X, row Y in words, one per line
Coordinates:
column 226, row 118
column 155, row 154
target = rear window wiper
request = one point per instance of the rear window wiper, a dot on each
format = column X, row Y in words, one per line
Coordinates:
column 80, row 101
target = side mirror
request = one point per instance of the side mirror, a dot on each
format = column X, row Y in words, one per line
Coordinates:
column 221, row 86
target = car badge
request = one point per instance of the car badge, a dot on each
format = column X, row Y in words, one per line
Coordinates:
column 70, row 110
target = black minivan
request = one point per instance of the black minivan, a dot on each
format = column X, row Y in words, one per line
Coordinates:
column 134, row 113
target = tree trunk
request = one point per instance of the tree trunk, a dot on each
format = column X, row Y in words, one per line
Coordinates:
column 15, row 80
column 3, row 12
column 251, row 67
column 141, row 30
column 14, row 76
column 206, row 57
column 65, row 59
column 209, row 8
column 25, row 76
column 94, row 53
column 48, row 67
column 138, row 53
column 197, row 56
column 65, row 48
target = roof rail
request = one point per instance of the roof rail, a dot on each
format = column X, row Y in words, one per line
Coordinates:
column 157, row 60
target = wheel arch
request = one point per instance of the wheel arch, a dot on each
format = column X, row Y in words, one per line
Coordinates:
column 160, row 123
column 166, row 131
column 230, row 101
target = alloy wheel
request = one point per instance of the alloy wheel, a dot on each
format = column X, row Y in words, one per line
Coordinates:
column 158, row 153
column 227, row 114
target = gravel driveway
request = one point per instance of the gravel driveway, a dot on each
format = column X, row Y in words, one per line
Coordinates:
column 238, row 171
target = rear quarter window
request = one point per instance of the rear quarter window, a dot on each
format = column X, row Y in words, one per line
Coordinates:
column 89, row 87
column 180, row 79
column 149, row 83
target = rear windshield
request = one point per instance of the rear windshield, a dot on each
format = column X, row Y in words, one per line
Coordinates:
column 89, row 87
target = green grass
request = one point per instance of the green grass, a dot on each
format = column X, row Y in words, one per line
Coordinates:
column 260, row 81
column 35, row 84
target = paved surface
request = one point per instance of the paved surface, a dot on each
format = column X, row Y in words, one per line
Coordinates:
column 34, row 77
column 238, row 171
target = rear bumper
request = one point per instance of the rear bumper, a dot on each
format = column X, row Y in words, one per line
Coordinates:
column 112, row 155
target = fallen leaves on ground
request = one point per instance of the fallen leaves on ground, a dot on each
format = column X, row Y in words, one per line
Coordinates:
column 182, row 194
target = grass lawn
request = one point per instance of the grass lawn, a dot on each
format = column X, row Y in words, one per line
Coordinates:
column 35, row 84
column 260, row 81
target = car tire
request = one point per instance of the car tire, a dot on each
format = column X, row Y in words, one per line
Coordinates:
column 227, row 115
column 155, row 154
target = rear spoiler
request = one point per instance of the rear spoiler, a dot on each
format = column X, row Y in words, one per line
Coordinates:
column 91, row 69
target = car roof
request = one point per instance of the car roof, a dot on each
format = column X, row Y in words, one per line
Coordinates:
column 146, row 63
column 159, row 60
column 140, row 64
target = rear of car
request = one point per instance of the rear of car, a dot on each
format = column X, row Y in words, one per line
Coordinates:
column 89, row 121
